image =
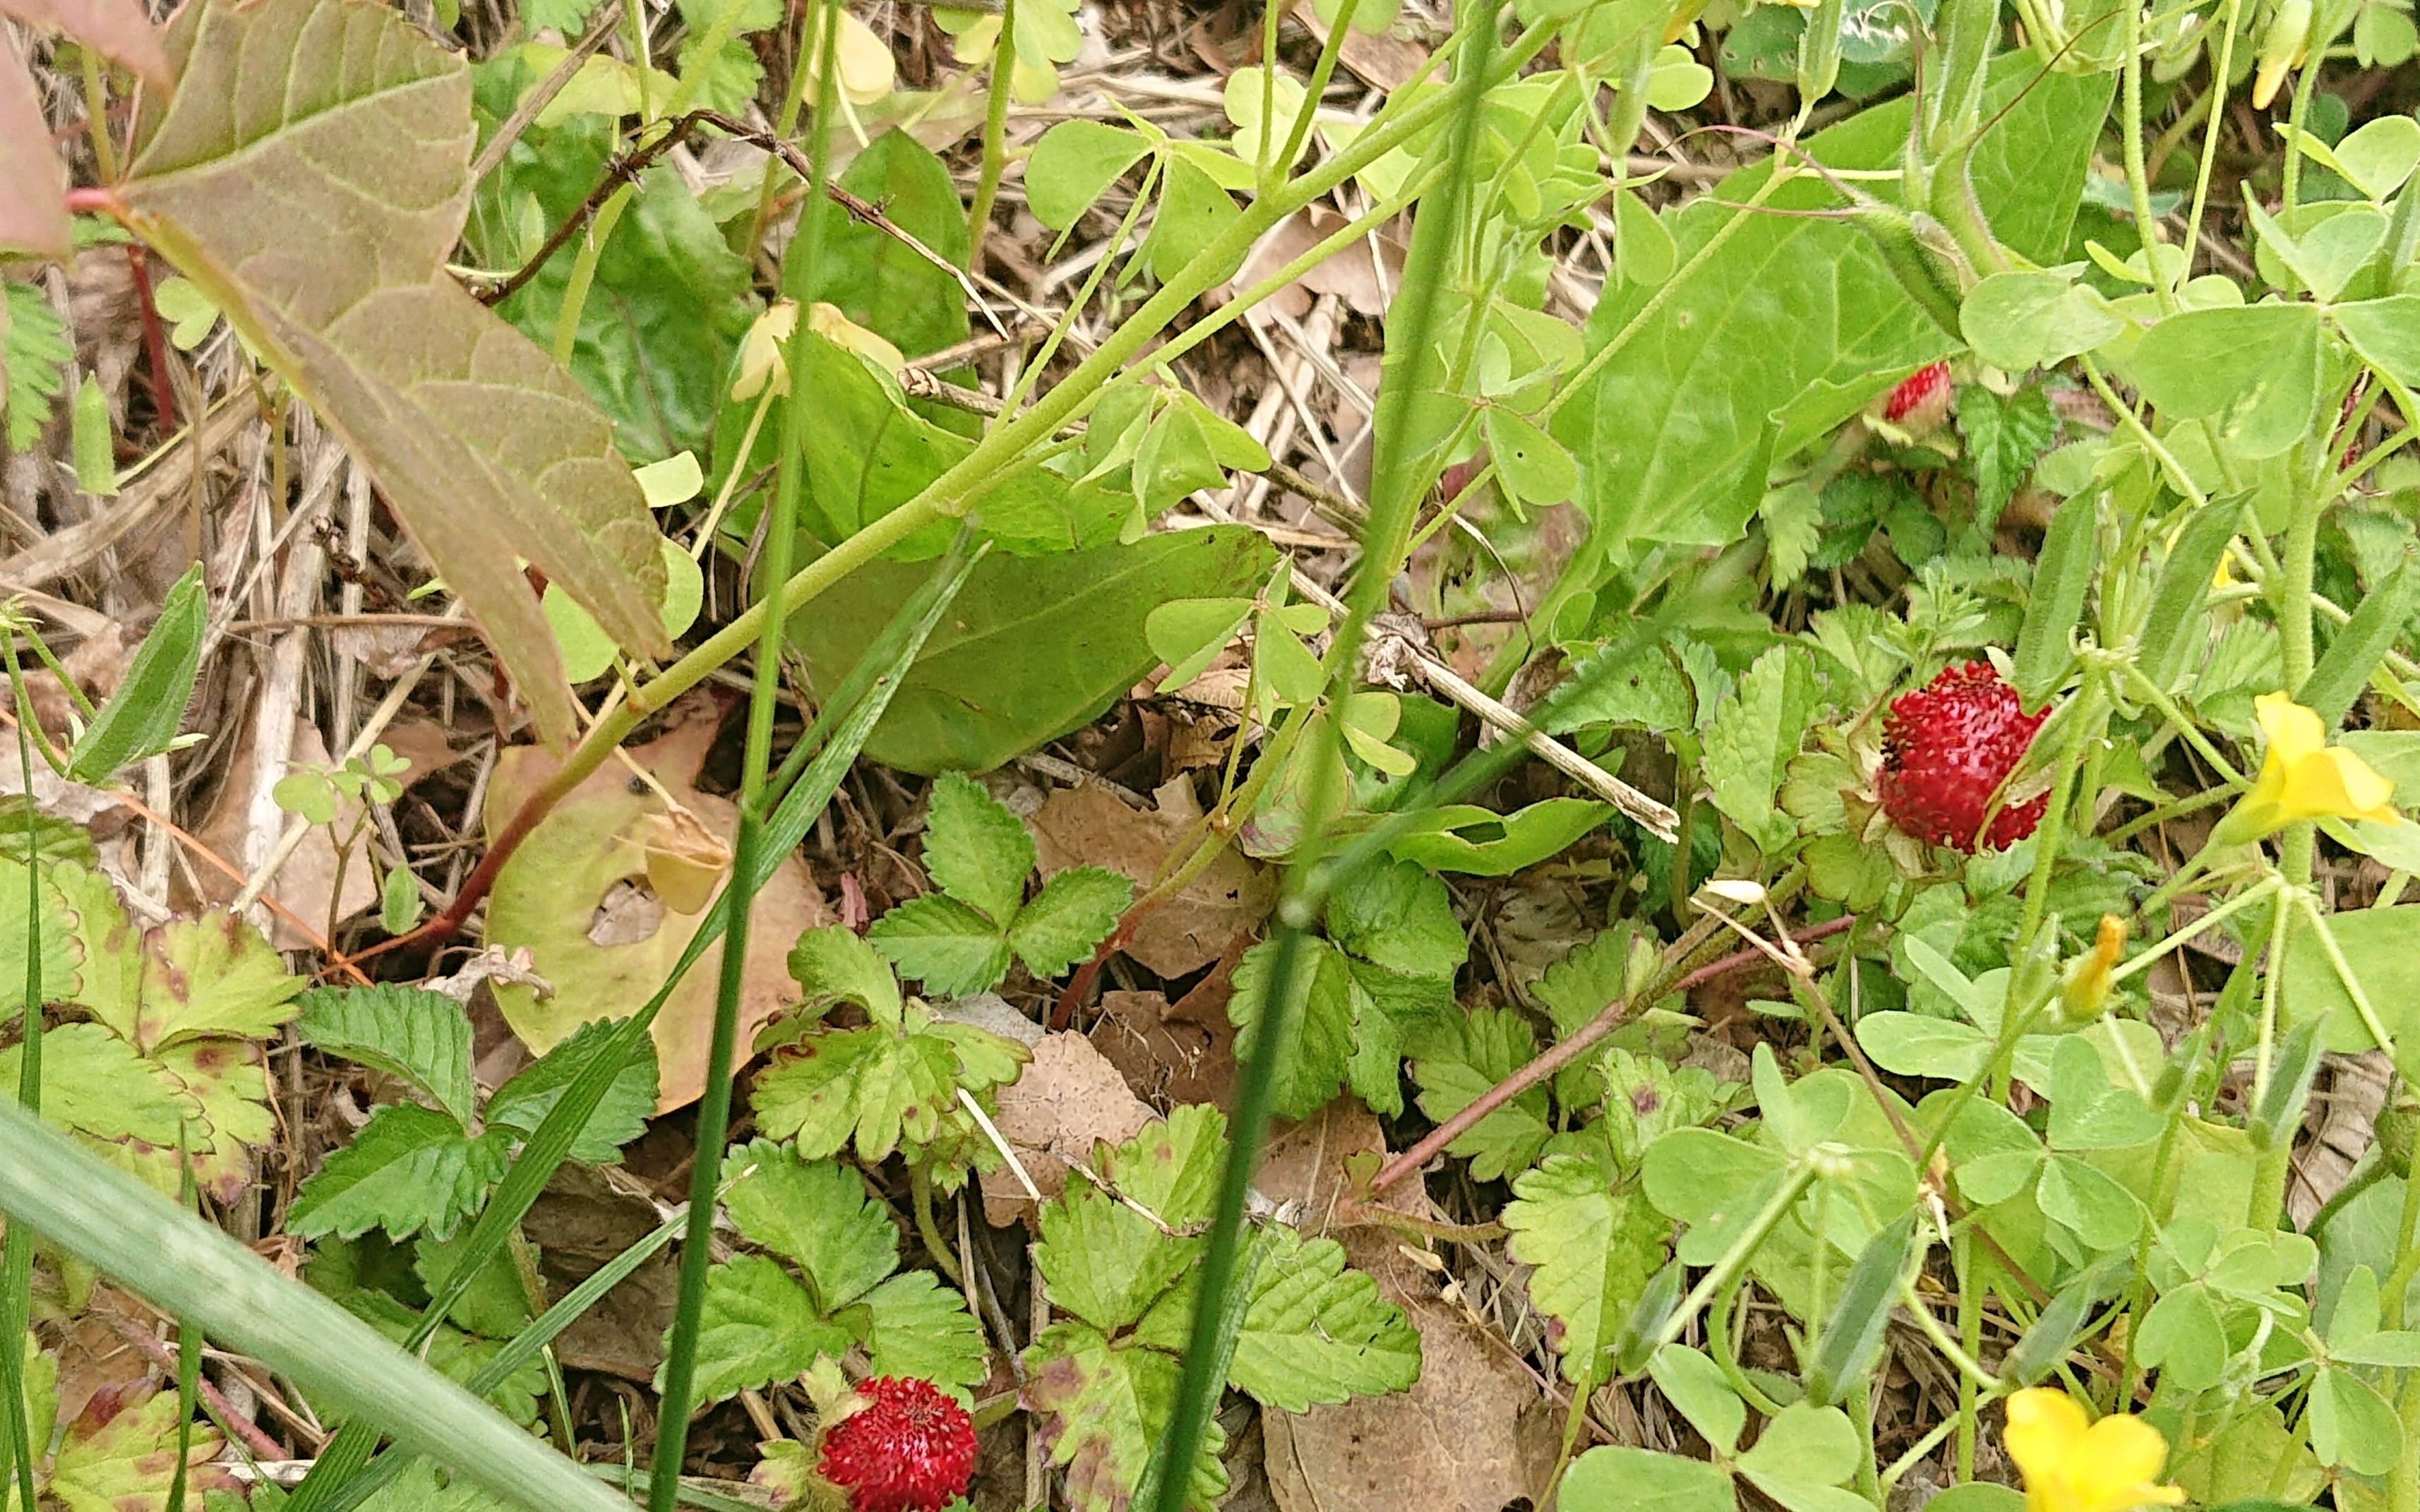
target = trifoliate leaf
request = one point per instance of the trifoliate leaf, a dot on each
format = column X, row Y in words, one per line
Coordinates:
column 946, row 945
column 1313, row 1056
column 418, row 1036
column 759, row 1326
column 1072, row 915
column 1316, row 1331
column 1459, row 1064
column 1103, row 1408
column 408, row 1170
column 1595, row 1246
column 521, row 1103
column 1401, row 917
column 834, row 963
column 1104, row 1261
column 975, row 849
column 816, row 1212
column 881, row 1088
column 922, row 1328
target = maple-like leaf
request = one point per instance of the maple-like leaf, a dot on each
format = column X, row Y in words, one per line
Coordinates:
column 310, row 172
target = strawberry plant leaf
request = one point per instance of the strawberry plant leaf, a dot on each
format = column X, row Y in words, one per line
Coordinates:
column 1754, row 734
column 226, row 1089
column 522, row 1103
column 1104, row 1406
column 975, row 849
column 1401, row 917
column 1312, row 1068
column 246, row 179
column 419, row 1037
column 760, row 1326
column 1073, row 913
column 2004, row 438
column 1457, row 1065
column 942, row 943
column 1317, row 1332
column 493, row 1306
column 213, row 975
column 919, row 1327
column 408, row 1169
column 95, row 1083
column 834, row 963
column 456, row 1354
column 1108, row 1264
column 817, row 1213
column 1595, row 1246
column 885, row 1088
column 120, row 1453
column 421, row 1487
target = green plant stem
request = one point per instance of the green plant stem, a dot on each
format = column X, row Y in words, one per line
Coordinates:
column 1970, row 1338
column 2138, row 181
column 2304, row 87
column 920, row 1194
column 17, row 1252
column 995, row 136
column 2403, row 1481
column 584, row 268
column 2216, row 94
column 96, row 116
column 2052, row 833
column 756, row 765
column 1797, row 1178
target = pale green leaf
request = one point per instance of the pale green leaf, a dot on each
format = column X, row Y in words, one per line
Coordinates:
column 1595, row 1246
column 1316, row 1331
column 1311, row 1060
column 975, row 849
column 1753, row 737
column 1456, row 1065
column 1073, row 913
column 420, row 1037
column 834, row 962
column 94, row 1083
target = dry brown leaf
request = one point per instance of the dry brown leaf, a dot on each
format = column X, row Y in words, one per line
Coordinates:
column 1352, row 273
column 33, row 182
column 1473, row 1435
column 1068, row 1099
column 1091, row 826
column 1173, row 1053
column 309, row 880
column 1380, row 58
column 593, row 848
column 586, row 1218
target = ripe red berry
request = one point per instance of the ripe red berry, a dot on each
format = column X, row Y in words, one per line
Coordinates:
column 1946, row 748
column 1921, row 401
column 910, row 1448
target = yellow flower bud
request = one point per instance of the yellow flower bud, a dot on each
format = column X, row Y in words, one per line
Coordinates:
column 2282, row 48
column 2086, row 991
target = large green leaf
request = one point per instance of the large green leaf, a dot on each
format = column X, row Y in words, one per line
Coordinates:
column 1034, row 646
column 875, row 279
column 669, row 303
column 1793, row 324
column 310, row 172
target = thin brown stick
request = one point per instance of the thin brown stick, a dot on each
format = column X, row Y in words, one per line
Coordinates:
column 1607, row 1021
column 261, row 1444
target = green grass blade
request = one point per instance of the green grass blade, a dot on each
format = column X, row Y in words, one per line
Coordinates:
column 189, row 1269
column 17, row 1252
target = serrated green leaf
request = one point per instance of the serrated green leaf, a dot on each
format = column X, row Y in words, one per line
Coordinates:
column 1312, row 1064
column 1104, row 1261
column 2004, row 439
column 494, row 1306
column 835, row 963
column 975, row 849
column 120, row 1454
column 942, row 943
column 1316, row 1331
column 807, row 1094
column 409, row 1169
column 95, row 1083
column 1595, row 1245
column 922, row 1328
column 1401, row 917
column 35, row 352
column 759, row 1327
column 1458, row 1065
column 226, row 1089
column 1103, row 1408
column 1753, row 737
column 521, row 1105
column 1068, row 919
column 817, row 1213
column 420, row 1037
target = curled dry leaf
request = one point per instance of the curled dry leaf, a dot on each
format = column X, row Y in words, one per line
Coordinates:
column 1091, row 826
column 1174, row 1053
column 1352, row 274
column 1068, row 1099
column 604, row 842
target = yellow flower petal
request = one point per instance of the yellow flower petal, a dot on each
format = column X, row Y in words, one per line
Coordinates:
column 2044, row 1428
column 2336, row 784
column 2293, row 730
column 2073, row 1464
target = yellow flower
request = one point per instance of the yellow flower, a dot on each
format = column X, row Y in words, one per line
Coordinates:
column 2303, row 777
column 2073, row 1464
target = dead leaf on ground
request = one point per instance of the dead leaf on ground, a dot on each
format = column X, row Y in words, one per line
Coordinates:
column 1068, row 1099
column 1380, row 58
column 1353, row 273
column 583, row 1220
column 1091, row 826
column 310, row 878
column 595, row 848
column 1173, row 1053
column 1473, row 1435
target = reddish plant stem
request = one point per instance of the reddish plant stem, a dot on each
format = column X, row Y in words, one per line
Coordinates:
column 1080, row 986
column 261, row 1445
column 437, row 930
column 1572, row 1049
column 155, row 340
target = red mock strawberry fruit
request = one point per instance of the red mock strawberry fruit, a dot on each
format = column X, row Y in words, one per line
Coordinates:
column 1921, row 401
column 1946, row 748
column 910, row 1448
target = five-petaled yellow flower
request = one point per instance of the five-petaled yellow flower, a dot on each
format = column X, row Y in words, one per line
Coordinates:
column 2075, row 1464
column 2303, row 777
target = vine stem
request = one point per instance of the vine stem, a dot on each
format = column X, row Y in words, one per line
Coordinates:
column 995, row 136
column 1608, row 1019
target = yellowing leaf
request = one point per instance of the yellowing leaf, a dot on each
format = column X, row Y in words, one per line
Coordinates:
column 309, row 174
